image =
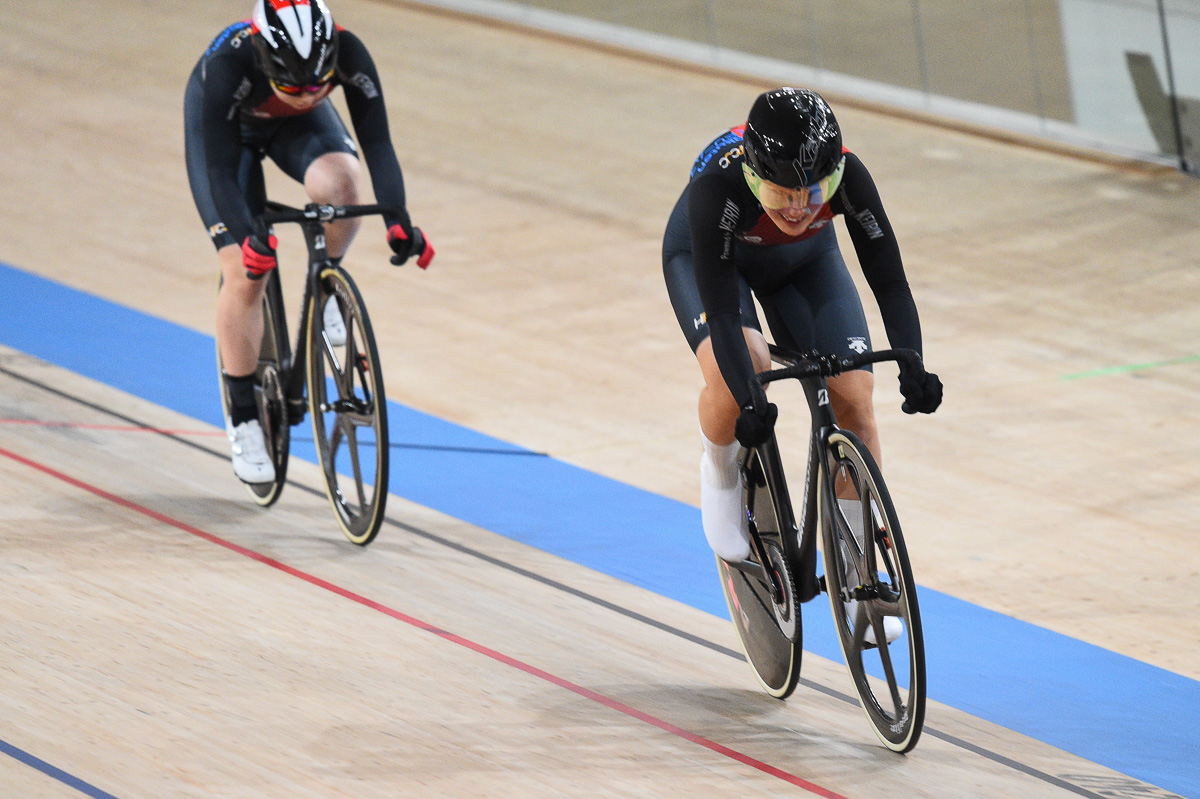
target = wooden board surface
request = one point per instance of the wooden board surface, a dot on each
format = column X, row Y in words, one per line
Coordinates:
column 1045, row 488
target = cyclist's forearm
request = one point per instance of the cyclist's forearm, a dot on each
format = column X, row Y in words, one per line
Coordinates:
column 386, row 177
column 733, row 358
column 900, row 320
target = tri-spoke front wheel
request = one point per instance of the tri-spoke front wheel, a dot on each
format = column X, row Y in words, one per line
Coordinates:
column 349, row 412
column 871, row 589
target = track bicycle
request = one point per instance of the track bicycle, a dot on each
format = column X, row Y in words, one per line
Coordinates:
column 337, row 378
column 866, row 567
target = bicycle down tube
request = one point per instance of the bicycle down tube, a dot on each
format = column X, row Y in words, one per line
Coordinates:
column 804, row 366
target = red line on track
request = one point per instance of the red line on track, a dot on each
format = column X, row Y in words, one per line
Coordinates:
column 121, row 428
column 499, row 657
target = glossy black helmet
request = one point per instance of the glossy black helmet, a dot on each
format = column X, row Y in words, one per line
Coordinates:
column 296, row 41
column 792, row 138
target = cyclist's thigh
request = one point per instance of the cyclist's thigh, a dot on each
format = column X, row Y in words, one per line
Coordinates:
column 680, row 275
column 819, row 305
column 302, row 139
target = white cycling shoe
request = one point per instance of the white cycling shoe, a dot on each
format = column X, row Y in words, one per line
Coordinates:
column 335, row 326
column 892, row 626
column 725, row 524
column 251, row 463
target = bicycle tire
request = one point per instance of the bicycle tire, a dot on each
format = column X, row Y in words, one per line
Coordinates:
column 893, row 698
column 354, row 374
column 770, row 632
column 268, row 394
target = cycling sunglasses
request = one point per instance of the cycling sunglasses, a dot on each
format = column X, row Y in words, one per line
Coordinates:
column 312, row 88
column 775, row 198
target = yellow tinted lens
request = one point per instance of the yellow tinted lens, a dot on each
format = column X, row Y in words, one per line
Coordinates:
column 773, row 197
column 776, row 198
column 825, row 188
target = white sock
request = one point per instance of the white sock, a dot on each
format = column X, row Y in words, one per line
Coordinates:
column 723, row 459
column 725, row 525
column 892, row 627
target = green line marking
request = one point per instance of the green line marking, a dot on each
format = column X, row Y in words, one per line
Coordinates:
column 1136, row 367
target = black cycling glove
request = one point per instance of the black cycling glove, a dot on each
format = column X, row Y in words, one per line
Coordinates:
column 753, row 429
column 922, row 390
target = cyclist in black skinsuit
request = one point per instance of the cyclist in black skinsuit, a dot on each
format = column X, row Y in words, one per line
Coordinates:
column 261, row 89
column 756, row 217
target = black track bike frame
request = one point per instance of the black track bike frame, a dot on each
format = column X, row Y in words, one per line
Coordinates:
column 811, row 369
column 312, row 220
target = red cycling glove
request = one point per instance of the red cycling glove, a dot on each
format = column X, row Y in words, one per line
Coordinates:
column 257, row 257
column 404, row 246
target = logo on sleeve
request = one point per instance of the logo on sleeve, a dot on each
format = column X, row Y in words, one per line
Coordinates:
column 365, row 85
column 869, row 224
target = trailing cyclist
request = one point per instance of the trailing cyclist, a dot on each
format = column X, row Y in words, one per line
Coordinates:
column 261, row 89
column 755, row 221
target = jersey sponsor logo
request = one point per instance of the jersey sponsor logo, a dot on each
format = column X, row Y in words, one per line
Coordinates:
column 217, row 230
column 238, row 30
column 858, row 344
column 729, row 218
column 350, row 143
column 702, row 319
column 365, row 85
column 243, row 91
column 240, row 37
column 727, row 143
column 729, row 157
column 818, row 224
column 869, row 223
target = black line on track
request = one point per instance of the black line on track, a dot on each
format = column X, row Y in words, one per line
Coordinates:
column 953, row 740
column 444, row 448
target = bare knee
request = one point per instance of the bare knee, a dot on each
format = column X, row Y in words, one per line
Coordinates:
column 333, row 179
column 718, row 408
column 851, row 395
column 236, row 288
column 760, row 351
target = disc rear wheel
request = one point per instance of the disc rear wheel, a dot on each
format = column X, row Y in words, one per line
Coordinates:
column 762, row 602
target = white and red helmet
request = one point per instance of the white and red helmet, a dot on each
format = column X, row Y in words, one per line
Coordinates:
column 296, row 41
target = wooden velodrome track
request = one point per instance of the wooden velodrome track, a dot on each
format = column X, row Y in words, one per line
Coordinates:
column 163, row 637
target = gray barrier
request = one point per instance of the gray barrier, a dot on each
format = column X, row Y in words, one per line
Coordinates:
column 1117, row 75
